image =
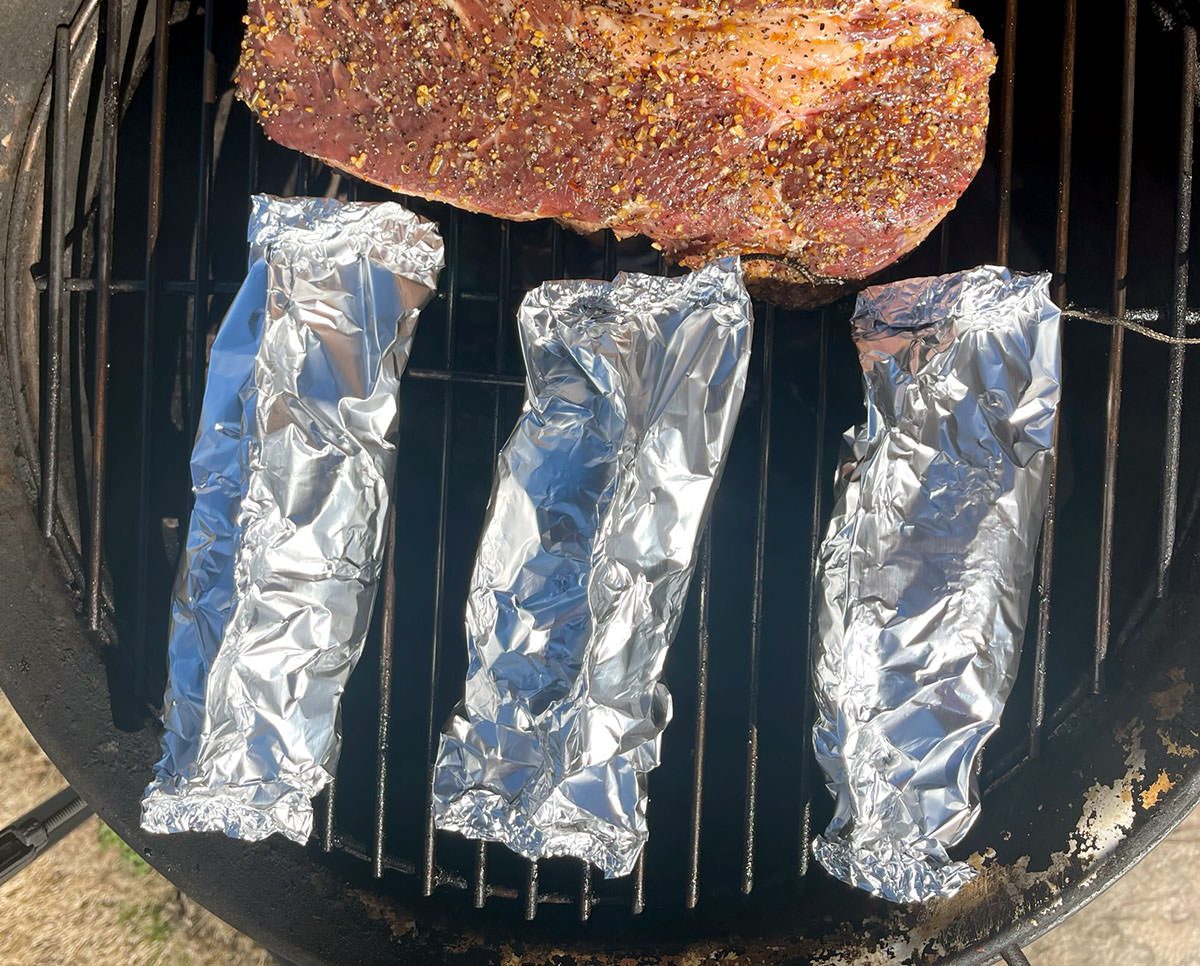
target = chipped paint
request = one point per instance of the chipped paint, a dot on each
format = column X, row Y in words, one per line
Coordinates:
column 1169, row 702
column 1001, row 892
column 1174, row 748
column 1108, row 809
column 1162, row 785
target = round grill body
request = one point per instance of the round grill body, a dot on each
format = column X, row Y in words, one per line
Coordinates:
column 124, row 187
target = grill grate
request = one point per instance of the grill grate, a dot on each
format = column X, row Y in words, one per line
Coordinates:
column 201, row 292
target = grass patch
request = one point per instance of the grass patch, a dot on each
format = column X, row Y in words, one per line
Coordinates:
column 153, row 921
column 110, row 841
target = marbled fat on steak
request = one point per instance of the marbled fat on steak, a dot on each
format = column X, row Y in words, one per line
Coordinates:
column 830, row 135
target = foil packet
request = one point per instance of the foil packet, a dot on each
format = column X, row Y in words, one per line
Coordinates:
column 599, row 501
column 927, row 567
column 292, row 470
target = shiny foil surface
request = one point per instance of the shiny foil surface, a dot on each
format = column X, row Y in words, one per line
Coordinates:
column 600, row 497
column 927, row 567
column 292, row 470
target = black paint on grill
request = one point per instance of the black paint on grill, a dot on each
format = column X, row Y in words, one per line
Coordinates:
column 134, row 310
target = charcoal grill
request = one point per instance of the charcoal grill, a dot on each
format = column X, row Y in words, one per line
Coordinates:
column 125, row 171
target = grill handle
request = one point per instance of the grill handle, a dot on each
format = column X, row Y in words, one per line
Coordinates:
column 26, row 839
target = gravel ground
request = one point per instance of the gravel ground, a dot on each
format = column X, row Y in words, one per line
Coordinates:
column 93, row 901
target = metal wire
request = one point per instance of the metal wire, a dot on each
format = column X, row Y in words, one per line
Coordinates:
column 1116, row 352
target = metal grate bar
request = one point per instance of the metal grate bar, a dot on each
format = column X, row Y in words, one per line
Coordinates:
column 502, row 315
column 1116, row 357
column 557, row 265
column 430, row 842
column 479, row 890
column 387, row 639
column 154, row 189
column 356, row 849
column 304, row 172
column 48, row 435
column 585, row 891
column 179, row 286
column 1062, row 231
column 556, row 251
column 585, row 878
column 637, row 892
column 760, row 541
column 1062, row 226
column 1135, row 320
column 531, row 890
column 814, row 556
column 1041, row 643
column 1008, row 75
column 483, row 378
column 1183, row 244
column 106, row 205
column 253, row 145
column 637, row 899
column 200, row 268
column 131, row 286
column 328, row 836
column 480, row 887
column 692, row 894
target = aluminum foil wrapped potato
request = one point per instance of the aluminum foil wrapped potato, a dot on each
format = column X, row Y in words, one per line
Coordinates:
column 292, row 472
column 599, row 501
column 927, row 567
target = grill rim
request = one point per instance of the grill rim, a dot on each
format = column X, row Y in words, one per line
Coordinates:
column 112, row 775
column 26, row 470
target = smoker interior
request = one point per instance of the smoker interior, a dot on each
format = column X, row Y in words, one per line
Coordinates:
column 140, row 260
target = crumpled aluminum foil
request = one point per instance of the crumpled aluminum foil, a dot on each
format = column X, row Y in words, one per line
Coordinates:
column 292, row 470
column 599, row 500
column 927, row 567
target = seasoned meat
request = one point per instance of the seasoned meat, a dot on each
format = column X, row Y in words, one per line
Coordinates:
column 829, row 136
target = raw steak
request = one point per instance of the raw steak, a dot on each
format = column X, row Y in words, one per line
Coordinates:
column 828, row 136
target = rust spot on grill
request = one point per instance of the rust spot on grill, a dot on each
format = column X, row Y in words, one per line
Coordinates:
column 1173, row 747
column 1162, row 785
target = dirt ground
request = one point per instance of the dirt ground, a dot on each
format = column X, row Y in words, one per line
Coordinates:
column 93, row 901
